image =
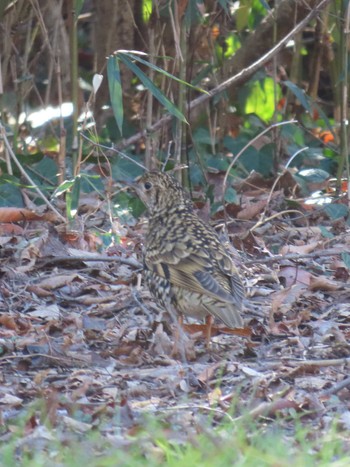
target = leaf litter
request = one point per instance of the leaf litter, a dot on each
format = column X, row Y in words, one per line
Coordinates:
column 80, row 333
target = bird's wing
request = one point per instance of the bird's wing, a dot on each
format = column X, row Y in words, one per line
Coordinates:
column 194, row 269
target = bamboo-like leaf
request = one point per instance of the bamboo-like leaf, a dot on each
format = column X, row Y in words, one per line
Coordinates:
column 65, row 186
column 78, row 7
column 115, row 90
column 74, row 198
column 132, row 55
column 171, row 108
column 299, row 94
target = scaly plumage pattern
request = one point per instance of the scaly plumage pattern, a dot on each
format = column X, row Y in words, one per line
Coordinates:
column 186, row 265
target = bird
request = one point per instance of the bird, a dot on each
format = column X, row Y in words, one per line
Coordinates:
column 187, row 268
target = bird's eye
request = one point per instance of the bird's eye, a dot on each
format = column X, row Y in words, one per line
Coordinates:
column 148, row 185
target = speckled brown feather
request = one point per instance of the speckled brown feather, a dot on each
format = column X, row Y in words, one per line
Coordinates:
column 186, row 265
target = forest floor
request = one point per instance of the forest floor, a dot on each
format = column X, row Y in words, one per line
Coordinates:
column 86, row 351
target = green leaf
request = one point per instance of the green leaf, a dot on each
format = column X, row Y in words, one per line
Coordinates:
column 75, row 198
column 299, row 94
column 63, row 188
column 202, row 137
column 115, row 90
column 314, row 175
column 78, row 5
column 232, row 45
column 91, row 183
column 124, row 169
column 171, row 108
column 10, row 193
column 261, row 98
column 242, row 15
column 3, row 5
column 335, row 211
column 146, row 10
column 325, row 233
column 225, row 5
column 154, row 67
column 346, row 258
column 231, row 195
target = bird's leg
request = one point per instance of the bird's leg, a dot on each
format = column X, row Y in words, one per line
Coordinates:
column 179, row 340
column 177, row 334
column 209, row 321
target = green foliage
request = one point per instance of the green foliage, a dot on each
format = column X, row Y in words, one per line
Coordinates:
column 10, row 194
column 346, row 258
column 115, row 90
column 78, row 5
column 147, row 6
column 259, row 97
column 336, row 211
column 127, row 207
column 129, row 59
column 244, row 442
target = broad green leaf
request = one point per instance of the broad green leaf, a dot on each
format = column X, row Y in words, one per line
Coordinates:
column 202, row 136
column 261, row 98
column 115, row 90
column 335, row 211
column 231, row 195
column 314, row 175
column 10, row 193
column 124, row 169
column 46, row 169
column 146, row 10
column 233, row 44
column 91, row 183
column 325, row 233
column 242, row 15
column 171, row 108
column 126, row 207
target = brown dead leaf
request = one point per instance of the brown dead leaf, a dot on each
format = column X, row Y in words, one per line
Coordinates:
column 207, row 374
column 38, row 291
column 58, row 281
column 10, row 229
column 302, row 249
column 283, row 300
column 294, row 275
column 323, row 283
column 251, row 210
column 8, row 322
column 21, row 214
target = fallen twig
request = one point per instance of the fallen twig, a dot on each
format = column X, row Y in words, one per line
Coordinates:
column 294, row 256
column 336, row 388
column 88, row 259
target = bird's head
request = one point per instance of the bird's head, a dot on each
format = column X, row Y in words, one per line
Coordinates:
column 160, row 191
